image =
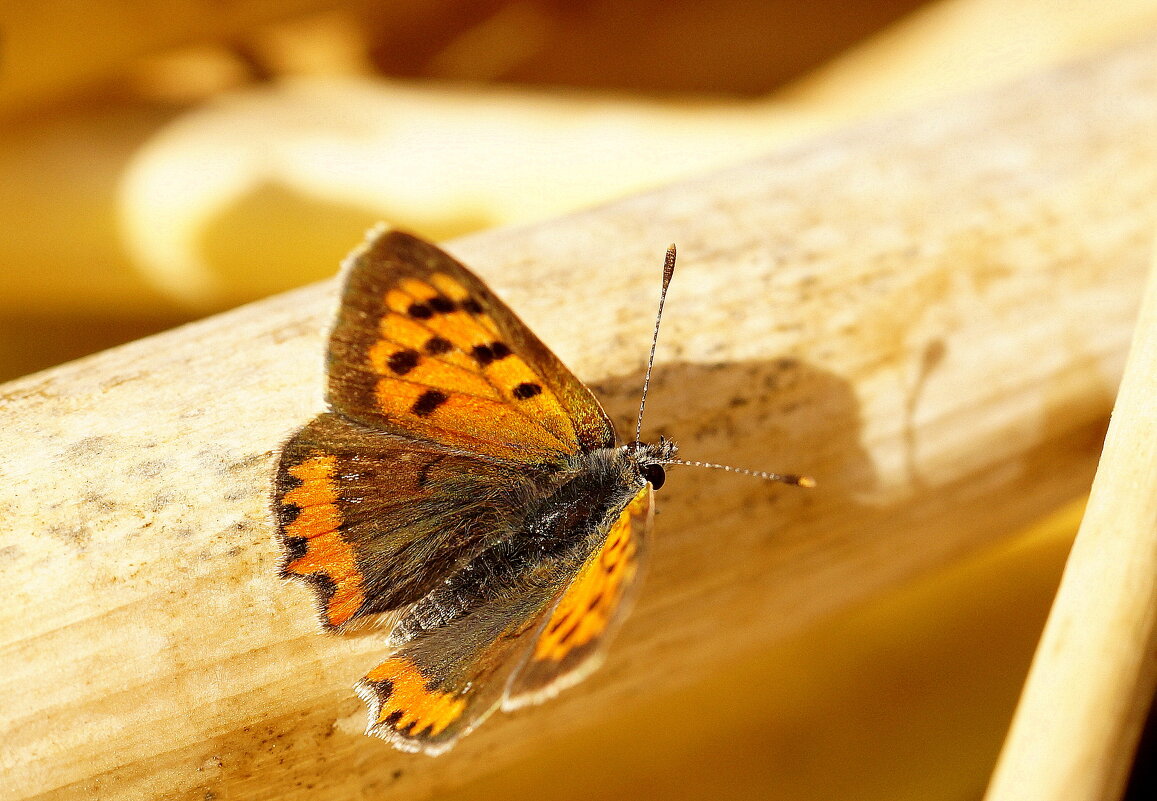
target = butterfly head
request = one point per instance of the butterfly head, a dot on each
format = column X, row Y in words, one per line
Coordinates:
column 648, row 459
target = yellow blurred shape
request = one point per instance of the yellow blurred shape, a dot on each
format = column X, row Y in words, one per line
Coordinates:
column 189, row 74
column 443, row 162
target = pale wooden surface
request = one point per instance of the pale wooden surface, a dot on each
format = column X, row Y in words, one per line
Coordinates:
column 928, row 314
column 1091, row 683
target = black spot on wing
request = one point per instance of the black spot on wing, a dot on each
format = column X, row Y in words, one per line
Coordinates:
column 295, row 548
column 437, row 345
column 424, row 310
column 488, row 354
column 404, row 361
column 565, row 637
column 556, row 625
column 527, row 390
column 287, row 513
column 442, row 305
column 428, row 402
column 420, row 311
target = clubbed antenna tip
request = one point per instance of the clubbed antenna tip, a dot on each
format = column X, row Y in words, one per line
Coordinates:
column 668, row 272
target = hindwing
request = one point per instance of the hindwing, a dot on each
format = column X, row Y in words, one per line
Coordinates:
column 374, row 521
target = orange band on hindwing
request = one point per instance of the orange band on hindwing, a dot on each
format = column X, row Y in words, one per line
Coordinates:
column 401, row 700
column 311, row 522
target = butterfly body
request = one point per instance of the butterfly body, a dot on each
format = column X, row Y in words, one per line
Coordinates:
column 591, row 495
column 466, row 492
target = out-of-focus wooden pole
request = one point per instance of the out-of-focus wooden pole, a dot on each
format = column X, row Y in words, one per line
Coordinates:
column 1091, row 682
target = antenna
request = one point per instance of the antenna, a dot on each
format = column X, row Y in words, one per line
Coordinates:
column 783, row 478
column 668, row 271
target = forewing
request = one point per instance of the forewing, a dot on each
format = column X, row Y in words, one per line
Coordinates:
column 574, row 639
column 460, row 646
column 374, row 521
column 422, row 348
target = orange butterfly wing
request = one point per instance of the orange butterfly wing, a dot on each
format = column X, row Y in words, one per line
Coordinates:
column 443, row 399
column 375, row 521
column 459, row 648
column 572, row 642
column 424, row 349
column 505, row 632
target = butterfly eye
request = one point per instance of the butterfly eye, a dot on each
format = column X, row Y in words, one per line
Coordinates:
column 655, row 474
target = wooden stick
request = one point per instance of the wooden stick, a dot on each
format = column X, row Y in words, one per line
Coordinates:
column 952, row 46
column 927, row 314
column 1092, row 680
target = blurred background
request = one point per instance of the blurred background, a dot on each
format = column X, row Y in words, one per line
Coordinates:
column 161, row 161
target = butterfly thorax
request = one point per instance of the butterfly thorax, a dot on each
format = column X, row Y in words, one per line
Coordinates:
column 594, row 488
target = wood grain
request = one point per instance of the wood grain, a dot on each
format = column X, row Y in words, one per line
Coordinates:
column 929, row 314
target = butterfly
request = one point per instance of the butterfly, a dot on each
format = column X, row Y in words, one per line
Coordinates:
column 466, row 493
